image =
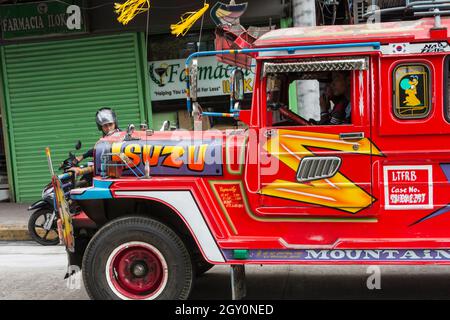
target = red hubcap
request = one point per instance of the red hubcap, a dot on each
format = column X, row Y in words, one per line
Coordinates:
column 137, row 271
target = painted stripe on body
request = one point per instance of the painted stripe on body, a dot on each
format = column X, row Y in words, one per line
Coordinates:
column 184, row 203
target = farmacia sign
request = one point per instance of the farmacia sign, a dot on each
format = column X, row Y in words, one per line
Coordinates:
column 45, row 18
column 168, row 78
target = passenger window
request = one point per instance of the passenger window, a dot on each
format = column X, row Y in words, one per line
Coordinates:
column 328, row 103
column 327, row 83
column 411, row 91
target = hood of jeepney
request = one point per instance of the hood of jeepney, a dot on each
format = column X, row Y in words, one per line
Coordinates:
column 175, row 153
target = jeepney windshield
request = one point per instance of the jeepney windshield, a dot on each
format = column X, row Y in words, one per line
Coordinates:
column 315, row 91
column 318, row 97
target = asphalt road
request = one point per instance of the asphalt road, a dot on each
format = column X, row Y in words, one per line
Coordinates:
column 31, row 271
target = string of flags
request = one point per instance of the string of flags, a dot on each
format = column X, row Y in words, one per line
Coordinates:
column 131, row 8
column 221, row 13
column 187, row 21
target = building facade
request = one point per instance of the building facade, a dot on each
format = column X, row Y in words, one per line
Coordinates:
column 53, row 79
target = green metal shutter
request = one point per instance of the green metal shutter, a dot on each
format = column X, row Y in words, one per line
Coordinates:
column 52, row 91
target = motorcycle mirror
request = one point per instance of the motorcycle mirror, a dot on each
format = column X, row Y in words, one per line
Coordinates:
column 78, row 145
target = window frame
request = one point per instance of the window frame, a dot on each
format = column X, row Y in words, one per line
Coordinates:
column 446, row 84
column 352, row 102
column 394, row 96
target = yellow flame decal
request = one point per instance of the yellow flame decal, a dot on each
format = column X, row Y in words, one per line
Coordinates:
column 338, row 192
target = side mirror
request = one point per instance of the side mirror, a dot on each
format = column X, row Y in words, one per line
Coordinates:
column 237, row 82
column 78, row 145
column 130, row 129
column 165, row 126
column 193, row 81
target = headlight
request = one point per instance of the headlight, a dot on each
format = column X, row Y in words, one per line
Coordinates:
column 47, row 193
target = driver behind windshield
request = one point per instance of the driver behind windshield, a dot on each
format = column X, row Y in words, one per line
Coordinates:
column 333, row 100
column 338, row 92
column 273, row 91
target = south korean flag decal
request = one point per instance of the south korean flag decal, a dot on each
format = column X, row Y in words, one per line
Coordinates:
column 398, row 48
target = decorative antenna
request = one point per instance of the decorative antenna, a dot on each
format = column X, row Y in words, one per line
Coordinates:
column 227, row 14
column 49, row 161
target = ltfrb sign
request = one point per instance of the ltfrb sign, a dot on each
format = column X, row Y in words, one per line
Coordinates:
column 42, row 19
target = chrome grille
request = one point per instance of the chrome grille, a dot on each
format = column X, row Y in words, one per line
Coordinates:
column 315, row 65
column 313, row 168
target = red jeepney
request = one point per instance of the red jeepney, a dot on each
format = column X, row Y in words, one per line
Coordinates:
column 298, row 182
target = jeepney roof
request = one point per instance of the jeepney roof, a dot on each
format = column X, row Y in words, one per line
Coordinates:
column 415, row 30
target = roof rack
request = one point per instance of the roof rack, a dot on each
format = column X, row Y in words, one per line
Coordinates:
column 420, row 8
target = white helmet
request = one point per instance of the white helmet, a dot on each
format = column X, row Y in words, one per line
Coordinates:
column 105, row 116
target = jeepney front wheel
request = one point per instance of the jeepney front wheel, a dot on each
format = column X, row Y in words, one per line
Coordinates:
column 137, row 258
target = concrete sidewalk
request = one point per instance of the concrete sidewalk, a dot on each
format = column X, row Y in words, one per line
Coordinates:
column 14, row 221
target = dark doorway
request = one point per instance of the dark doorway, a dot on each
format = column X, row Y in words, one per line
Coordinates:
column 4, row 186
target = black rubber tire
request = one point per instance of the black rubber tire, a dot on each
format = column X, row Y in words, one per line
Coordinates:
column 136, row 228
column 32, row 230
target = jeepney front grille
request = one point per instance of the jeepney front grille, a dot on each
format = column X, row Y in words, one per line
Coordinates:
column 314, row 168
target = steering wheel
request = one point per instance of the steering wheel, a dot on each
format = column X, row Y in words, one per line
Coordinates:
column 275, row 106
column 288, row 114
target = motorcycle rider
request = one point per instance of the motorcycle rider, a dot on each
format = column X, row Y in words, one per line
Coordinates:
column 106, row 120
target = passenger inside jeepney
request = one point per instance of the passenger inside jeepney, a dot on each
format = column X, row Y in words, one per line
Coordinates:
column 328, row 99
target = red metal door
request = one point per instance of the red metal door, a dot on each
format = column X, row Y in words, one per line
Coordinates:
column 321, row 171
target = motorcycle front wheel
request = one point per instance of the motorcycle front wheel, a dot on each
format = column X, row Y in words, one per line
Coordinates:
column 37, row 231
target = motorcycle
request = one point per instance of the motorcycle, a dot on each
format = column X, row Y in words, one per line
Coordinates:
column 42, row 225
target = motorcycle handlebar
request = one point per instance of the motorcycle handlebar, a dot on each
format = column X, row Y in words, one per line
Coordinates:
column 65, row 176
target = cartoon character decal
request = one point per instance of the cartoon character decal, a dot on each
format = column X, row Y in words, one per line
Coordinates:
column 411, row 91
column 410, row 87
